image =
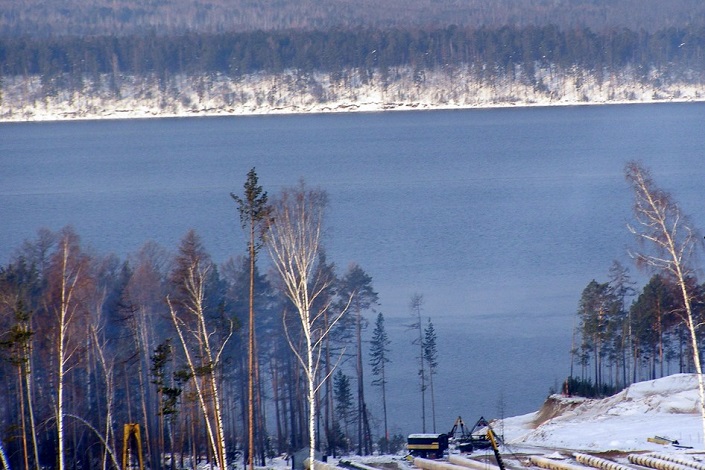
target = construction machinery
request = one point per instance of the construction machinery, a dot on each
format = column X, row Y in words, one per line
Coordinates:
column 468, row 440
column 492, row 437
column 131, row 430
column 427, row 446
column 481, row 436
column 432, row 446
column 460, row 436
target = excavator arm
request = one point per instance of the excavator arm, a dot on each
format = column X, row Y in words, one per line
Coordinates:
column 454, row 429
column 495, row 448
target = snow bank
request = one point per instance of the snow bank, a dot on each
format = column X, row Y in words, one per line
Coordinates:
column 667, row 407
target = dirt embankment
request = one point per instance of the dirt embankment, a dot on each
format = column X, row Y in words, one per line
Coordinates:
column 556, row 405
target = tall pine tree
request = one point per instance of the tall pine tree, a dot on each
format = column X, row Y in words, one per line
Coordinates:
column 255, row 214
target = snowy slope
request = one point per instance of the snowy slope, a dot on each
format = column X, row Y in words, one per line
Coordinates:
column 666, row 407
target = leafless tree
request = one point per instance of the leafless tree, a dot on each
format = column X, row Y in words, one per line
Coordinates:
column 143, row 302
column 107, row 365
column 68, row 269
column 202, row 344
column 99, row 362
column 295, row 241
column 35, row 253
column 668, row 245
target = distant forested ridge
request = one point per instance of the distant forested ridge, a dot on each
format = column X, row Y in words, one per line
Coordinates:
column 47, row 18
column 497, row 50
column 344, row 69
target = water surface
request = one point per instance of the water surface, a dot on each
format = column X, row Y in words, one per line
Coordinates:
column 498, row 217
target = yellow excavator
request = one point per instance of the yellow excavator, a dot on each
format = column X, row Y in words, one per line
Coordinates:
column 495, row 447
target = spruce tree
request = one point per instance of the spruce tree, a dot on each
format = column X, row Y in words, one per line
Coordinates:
column 378, row 360
column 343, row 398
column 430, row 352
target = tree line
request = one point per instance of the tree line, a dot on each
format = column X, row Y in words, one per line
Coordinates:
column 625, row 334
column 214, row 362
column 496, row 51
column 125, row 17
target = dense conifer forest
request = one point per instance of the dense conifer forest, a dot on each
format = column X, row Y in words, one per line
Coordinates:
column 498, row 50
column 100, row 58
column 344, row 69
column 127, row 17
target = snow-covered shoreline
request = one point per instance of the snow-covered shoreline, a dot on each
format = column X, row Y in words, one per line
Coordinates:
column 128, row 97
column 117, row 114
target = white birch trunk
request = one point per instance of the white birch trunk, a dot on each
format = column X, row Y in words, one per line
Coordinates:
column 30, row 409
column 62, row 356
column 294, row 245
column 668, row 230
column 197, row 384
column 311, row 401
column 60, row 400
column 220, row 448
column 696, row 351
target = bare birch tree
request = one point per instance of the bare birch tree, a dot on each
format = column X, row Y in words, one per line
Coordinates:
column 668, row 243
column 294, row 244
column 68, row 274
column 107, row 365
column 203, row 354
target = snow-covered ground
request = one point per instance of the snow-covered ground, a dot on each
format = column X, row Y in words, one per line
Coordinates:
column 614, row 426
column 31, row 98
column 667, row 407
